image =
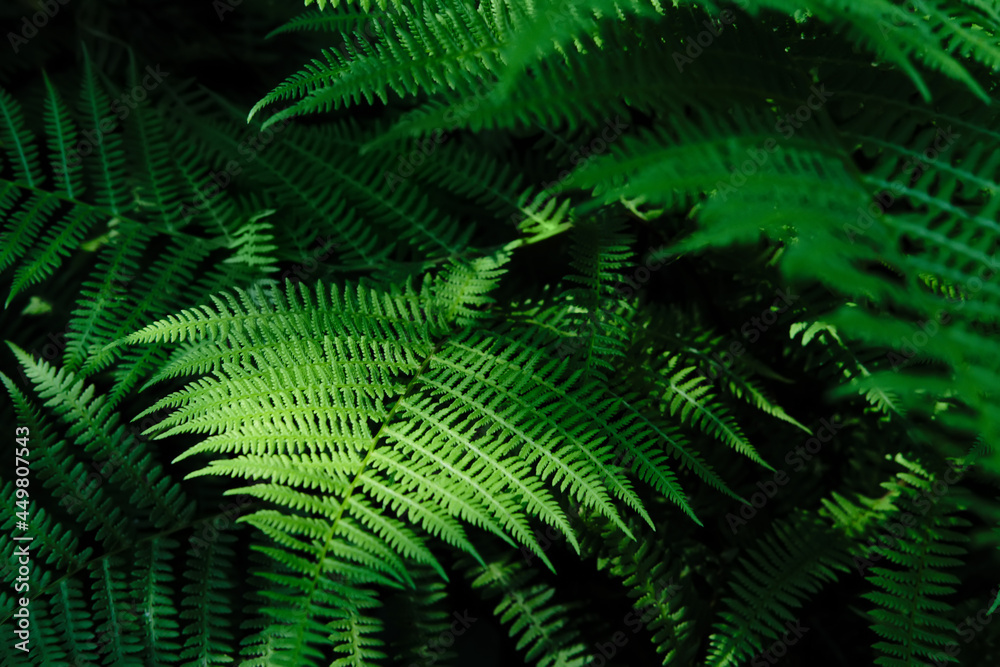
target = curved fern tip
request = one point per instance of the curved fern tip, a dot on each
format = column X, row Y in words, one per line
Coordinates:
column 254, row 109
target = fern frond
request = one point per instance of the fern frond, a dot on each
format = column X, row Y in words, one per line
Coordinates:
column 934, row 33
column 160, row 189
column 426, row 419
column 452, row 48
column 658, row 582
column 425, row 619
column 549, row 26
column 93, row 426
column 793, row 560
column 542, row 627
column 73, row 622
column 114, row 611
column 462, row 291
column 19, row 143
column 600, row 253
column 908, row 618
column 108, row 170
column 153, row 593
column 208, row 602
column 690, row 399
column 342, row 20
column 63, row 473
column 62, row 134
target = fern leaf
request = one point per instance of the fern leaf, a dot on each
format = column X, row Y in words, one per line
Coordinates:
column 908, row 618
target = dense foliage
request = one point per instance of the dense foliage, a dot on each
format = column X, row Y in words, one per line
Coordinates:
column 430, row 332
